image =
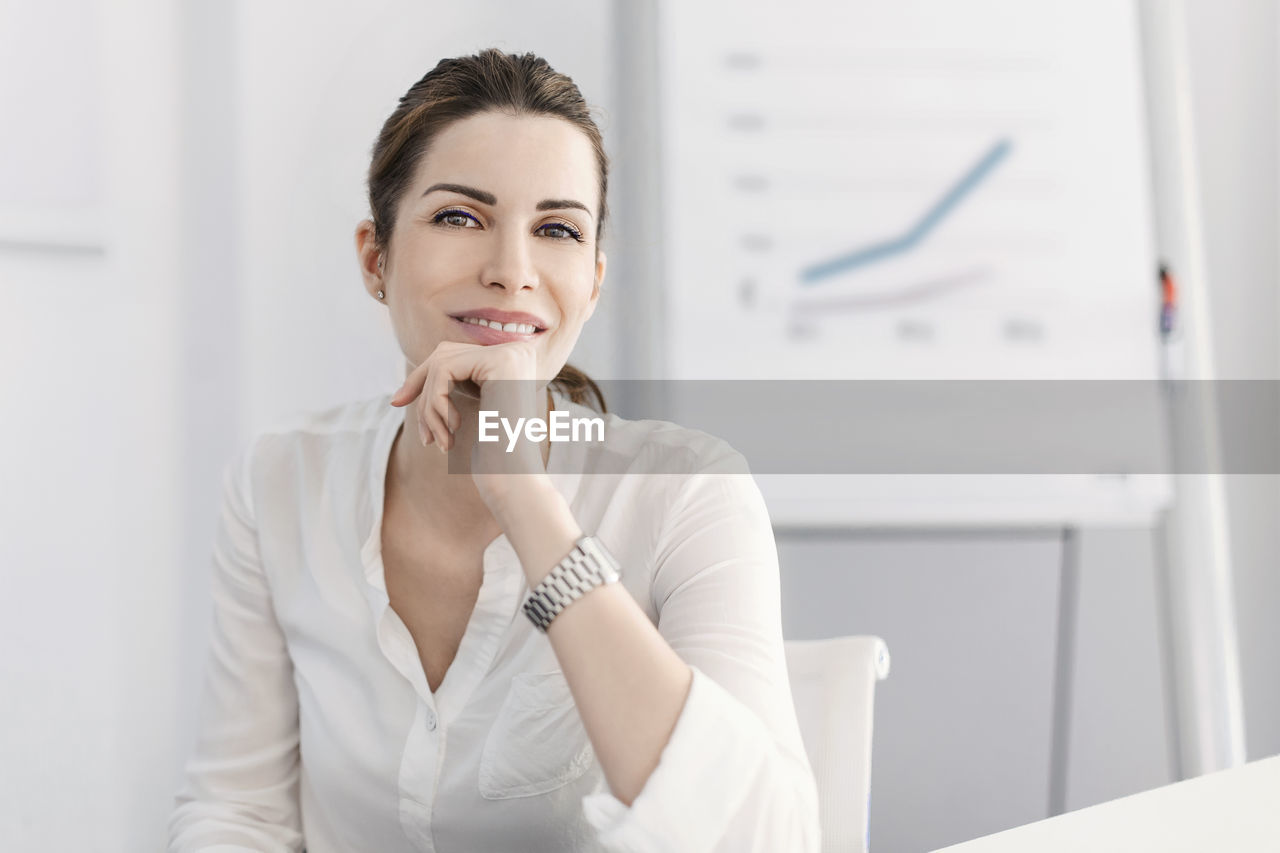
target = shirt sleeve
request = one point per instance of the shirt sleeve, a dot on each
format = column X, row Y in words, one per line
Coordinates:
column 240, row 784
column 734, row 775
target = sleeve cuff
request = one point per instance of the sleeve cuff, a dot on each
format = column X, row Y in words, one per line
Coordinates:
column 715, row 755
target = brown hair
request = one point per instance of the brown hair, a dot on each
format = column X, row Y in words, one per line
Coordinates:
column 461, row 87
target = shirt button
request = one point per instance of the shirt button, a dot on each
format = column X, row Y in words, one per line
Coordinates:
column 431, row 720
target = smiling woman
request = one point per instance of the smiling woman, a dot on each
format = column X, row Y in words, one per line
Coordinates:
column 463, row 88
column 372, row 684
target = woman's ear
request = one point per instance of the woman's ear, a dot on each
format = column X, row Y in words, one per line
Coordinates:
column 601, row 262
column 369, row 257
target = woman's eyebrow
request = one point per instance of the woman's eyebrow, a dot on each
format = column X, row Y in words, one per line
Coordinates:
column 490, row 199
column 479, row 195
column 559, row 203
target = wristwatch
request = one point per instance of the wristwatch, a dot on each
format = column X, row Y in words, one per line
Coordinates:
column 586, row 567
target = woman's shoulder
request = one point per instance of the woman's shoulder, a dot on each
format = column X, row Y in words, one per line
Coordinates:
column 315, row 435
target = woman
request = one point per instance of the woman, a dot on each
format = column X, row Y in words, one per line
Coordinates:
column 387, row 669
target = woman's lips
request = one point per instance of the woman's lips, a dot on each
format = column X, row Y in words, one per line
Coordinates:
column 487, row 335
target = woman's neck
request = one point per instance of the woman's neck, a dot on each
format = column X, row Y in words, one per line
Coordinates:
column 437, row 488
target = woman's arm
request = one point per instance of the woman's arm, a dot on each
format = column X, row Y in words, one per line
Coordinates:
column 240, row 788
column 692, row 721
column 628, row 683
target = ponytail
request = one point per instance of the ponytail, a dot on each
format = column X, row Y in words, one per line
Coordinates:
column 579, row 387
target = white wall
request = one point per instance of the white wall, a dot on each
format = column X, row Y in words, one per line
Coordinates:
column 89, row 527
column 1235, row 93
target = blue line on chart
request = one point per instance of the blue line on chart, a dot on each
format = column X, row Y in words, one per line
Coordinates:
column 927, row 223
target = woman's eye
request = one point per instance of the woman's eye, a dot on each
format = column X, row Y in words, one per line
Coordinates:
column 457, row 218
column 567, row 231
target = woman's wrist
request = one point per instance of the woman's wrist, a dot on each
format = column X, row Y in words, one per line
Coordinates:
column 539, row 525
column 516, row 494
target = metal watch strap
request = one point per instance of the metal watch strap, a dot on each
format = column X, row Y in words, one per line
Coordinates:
column 587, row 566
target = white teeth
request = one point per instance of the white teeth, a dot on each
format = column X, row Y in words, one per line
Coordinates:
column 520, row 328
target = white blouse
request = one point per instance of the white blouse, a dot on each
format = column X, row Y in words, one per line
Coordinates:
column 318, row 730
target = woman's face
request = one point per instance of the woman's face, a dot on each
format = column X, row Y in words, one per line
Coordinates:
column 500, row 217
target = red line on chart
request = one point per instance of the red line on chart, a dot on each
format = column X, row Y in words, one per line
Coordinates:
column 909, row 295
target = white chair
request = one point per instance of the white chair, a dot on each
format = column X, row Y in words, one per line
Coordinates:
column 833, row 683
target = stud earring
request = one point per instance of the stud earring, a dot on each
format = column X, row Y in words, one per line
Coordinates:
column 379, row 294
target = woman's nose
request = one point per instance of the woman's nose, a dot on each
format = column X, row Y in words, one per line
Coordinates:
column 511, row 265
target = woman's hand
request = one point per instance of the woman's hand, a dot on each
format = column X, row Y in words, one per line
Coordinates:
column 470, row 367
column 471, row 370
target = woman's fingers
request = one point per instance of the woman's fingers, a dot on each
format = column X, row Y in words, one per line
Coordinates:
column 435, row 401
column 437, row 416
column 402, row 396
column 455, row 417
column 442, row 406
column 435, row 432
column 415, row 382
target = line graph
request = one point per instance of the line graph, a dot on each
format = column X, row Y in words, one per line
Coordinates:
column 916, row 234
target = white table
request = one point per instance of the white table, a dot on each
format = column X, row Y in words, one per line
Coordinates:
column 1231, row 811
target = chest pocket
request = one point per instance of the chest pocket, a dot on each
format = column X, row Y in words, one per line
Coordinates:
column 537, row 742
